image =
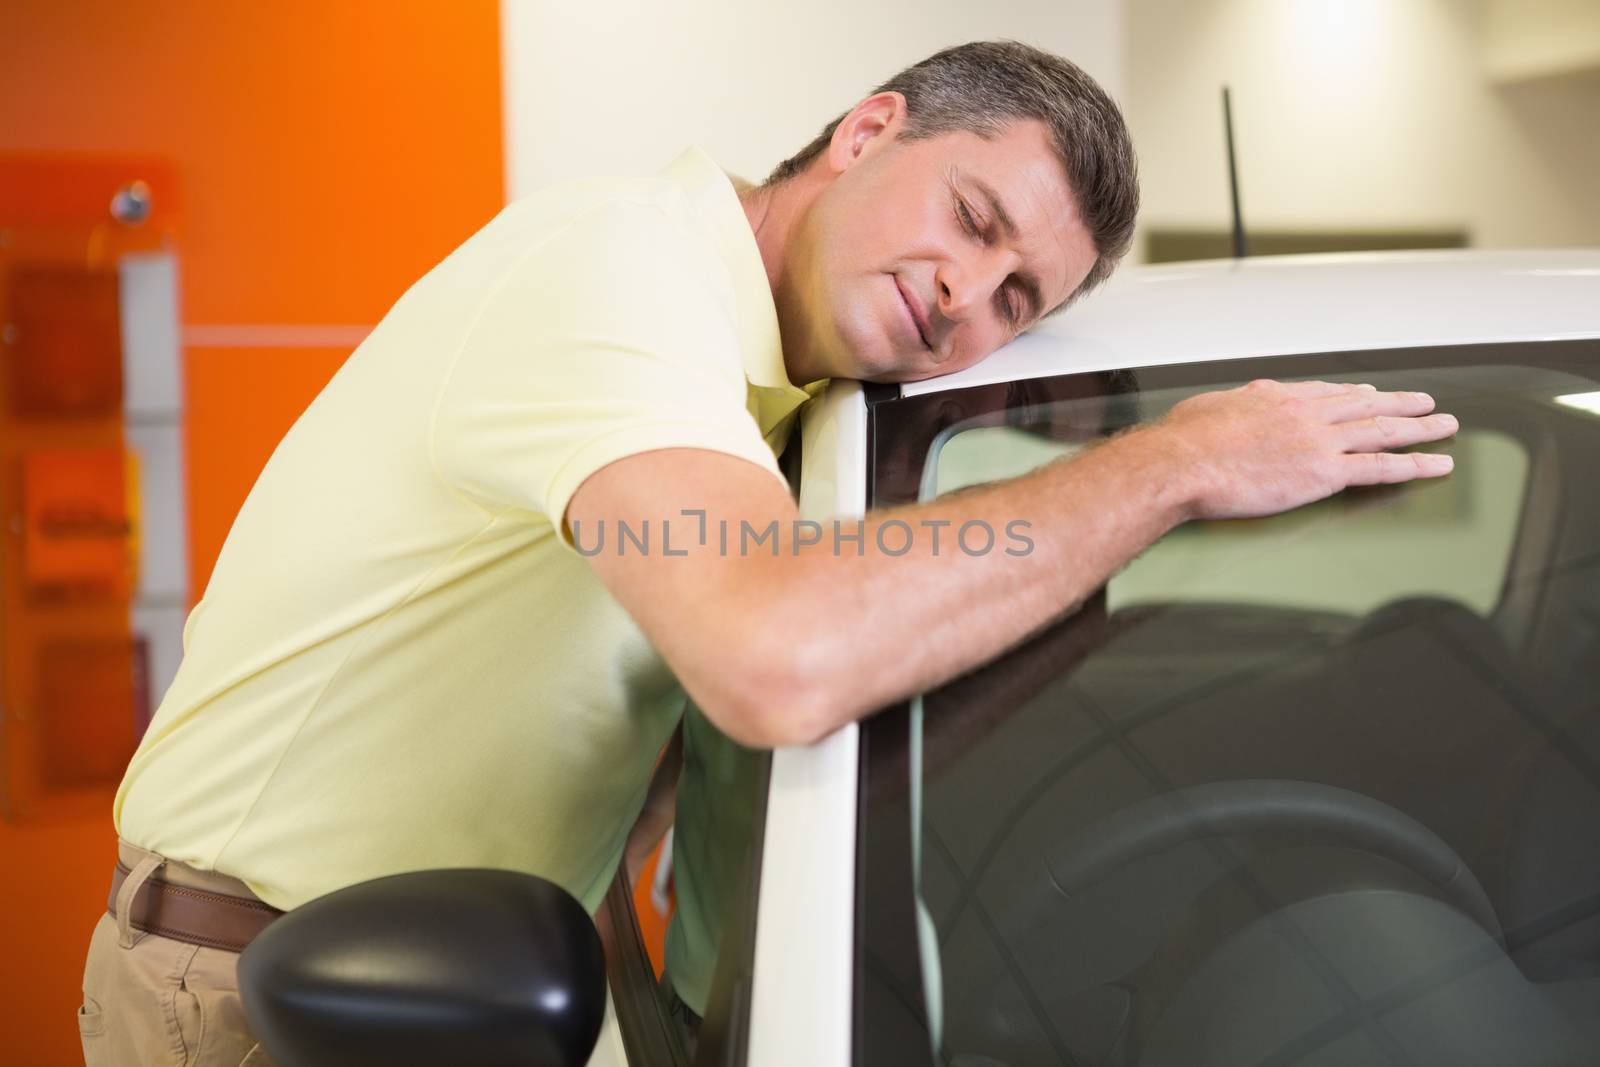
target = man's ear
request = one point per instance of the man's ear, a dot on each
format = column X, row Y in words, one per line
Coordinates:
column 875, row 121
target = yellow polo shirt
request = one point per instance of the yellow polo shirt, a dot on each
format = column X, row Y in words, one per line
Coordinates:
column 398, row 662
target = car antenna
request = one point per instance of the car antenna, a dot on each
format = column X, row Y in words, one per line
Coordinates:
column 1240, row 247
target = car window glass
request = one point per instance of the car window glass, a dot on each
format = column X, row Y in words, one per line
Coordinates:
column 1313, row 789
column 1449, row 538
column 695, row 1010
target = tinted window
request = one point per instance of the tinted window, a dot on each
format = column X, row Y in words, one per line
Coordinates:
column 1451, row 538
column 1316, row 789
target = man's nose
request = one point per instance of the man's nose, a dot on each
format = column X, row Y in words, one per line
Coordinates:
column 967, row 285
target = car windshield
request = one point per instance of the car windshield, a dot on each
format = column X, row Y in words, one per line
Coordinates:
column 1322, row 788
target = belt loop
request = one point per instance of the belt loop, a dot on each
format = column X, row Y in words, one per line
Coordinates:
column 131, row 885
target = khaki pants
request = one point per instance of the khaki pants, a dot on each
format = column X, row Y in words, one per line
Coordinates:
column 150, row 1000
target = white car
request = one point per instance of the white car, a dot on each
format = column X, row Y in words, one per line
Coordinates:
column 1320, row 789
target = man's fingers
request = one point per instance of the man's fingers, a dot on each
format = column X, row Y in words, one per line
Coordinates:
column 1366, row 404
column 1387, row 468
column 1314, row 390
column 1385, row 432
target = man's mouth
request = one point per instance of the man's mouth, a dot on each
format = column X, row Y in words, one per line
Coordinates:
column 912, row 311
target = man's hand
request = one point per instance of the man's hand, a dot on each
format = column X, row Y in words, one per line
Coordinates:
column 1268, row 446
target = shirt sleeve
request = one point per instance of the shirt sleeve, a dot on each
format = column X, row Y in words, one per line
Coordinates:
column 615, row 336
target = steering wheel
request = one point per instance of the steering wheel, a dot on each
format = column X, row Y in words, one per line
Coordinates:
column 1220, row 809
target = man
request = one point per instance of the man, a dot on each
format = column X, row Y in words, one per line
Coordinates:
column 400, row 661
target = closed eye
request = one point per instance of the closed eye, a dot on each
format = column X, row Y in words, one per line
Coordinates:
column 1009, row 306
column 968, row 223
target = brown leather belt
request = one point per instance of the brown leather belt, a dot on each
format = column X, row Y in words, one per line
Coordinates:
column 193, row 916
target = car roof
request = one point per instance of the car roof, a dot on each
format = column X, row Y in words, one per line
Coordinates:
column 1283, row 305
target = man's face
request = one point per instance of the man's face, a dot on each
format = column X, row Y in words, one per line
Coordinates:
column 919, row 258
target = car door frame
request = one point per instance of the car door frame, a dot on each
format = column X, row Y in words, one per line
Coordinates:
column 802, row 991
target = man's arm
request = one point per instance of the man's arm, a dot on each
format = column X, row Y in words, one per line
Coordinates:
column 783, row 649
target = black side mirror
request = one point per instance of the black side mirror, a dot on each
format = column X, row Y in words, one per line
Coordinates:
column 468, row 967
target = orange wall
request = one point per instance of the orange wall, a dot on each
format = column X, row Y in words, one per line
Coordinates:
column 328, row 155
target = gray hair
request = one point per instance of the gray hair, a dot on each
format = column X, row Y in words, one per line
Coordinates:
column 985, row 86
